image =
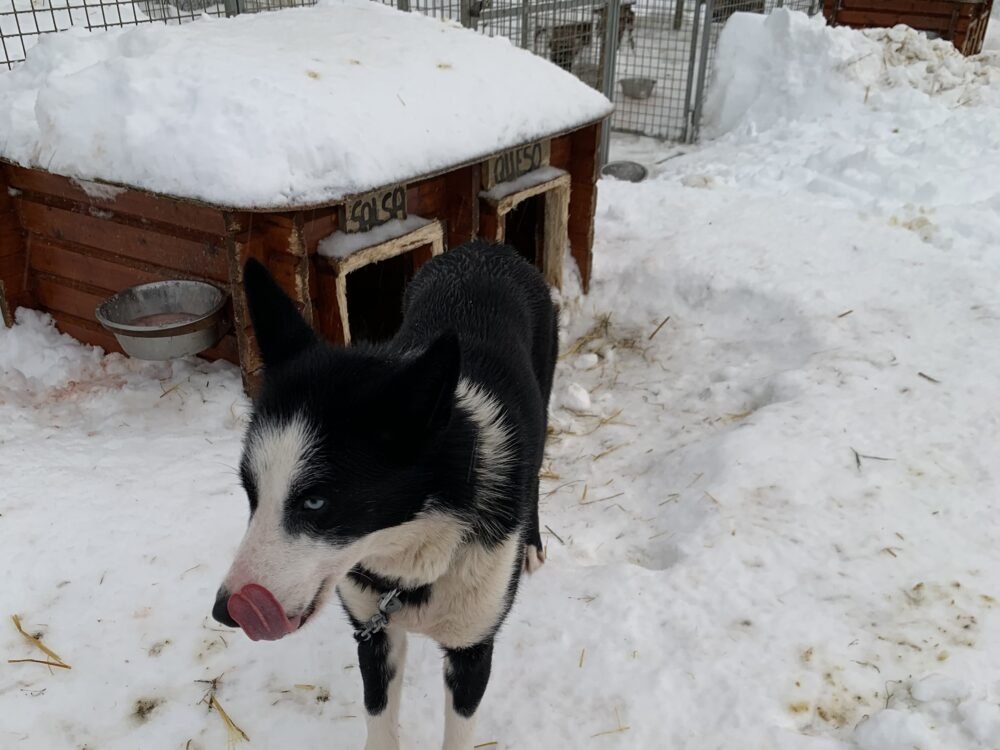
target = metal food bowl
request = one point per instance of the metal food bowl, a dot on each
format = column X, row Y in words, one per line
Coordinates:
column 165, row 319
column 629, row 171
column 637, row 88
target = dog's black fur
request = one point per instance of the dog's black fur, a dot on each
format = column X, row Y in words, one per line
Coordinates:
column 394, row 438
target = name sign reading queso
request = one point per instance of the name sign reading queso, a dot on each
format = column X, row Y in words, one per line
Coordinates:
column 515, row 163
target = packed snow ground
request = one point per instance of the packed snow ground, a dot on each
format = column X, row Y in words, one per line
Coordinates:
column 770, row 495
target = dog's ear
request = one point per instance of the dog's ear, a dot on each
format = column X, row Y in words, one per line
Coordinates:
column 419, row 400
column 434, row 378
column 281, row 331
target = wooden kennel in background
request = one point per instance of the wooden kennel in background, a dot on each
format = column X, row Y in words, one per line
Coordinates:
column 67, row 245
column 962, row 22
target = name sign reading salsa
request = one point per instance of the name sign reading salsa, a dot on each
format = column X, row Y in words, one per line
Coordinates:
column 515, row 163
column 374, row 209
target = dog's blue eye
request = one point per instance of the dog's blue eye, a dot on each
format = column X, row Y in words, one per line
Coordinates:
column 313, row 503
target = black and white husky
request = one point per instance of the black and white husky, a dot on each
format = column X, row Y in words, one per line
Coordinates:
column 402, row 475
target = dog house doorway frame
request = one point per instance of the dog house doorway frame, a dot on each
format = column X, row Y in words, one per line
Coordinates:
column 431, row 233
column 554, row 185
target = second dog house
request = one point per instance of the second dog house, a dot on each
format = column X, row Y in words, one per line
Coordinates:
column 366, row 154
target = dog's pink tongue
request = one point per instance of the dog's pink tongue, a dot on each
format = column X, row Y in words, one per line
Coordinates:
column 260, row 615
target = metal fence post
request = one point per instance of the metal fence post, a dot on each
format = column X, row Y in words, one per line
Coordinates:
column 525, row 22
column 702, row 71
column 687, row 136
column 609, row 57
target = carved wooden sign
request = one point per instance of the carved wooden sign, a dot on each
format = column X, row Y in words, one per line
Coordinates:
column 373, row 209
column 515, row 163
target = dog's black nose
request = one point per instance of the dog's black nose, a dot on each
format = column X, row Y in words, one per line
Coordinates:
column 221, row 609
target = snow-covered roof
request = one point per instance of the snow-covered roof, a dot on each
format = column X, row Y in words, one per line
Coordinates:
column 295, row 107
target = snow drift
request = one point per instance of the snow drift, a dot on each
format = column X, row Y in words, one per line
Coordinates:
column 789, row 66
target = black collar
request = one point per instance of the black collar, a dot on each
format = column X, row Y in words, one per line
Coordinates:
column 370, row 581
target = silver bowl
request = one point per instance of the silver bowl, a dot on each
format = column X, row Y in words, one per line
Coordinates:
column 637, row 88
column 165, row 319
column 629, row 171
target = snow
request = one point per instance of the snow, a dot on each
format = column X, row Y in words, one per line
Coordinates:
column 756, row 90
column 99, row 191
column 981, row 720
column 343, row 244
column 937, row 687
column 772, row 470
column 893, row 730
column 576, row 398
column 296, row 107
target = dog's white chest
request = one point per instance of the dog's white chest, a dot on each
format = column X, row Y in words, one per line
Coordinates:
column 466, row 601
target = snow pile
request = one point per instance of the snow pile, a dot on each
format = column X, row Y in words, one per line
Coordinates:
column 786, row 65
column 885, row 122
column 39, row 365
column 34, row 355
column 932, row 66
column 298, row 106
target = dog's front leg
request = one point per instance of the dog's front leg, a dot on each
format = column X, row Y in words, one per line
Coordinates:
column 382, row 659
column 466, row 673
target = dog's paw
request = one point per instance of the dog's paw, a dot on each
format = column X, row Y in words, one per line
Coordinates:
column 534, row 558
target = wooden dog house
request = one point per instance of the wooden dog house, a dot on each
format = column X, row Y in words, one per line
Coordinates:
column 66, row 244
column 962, row 22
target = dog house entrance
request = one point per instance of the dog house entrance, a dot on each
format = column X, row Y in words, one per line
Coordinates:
column 531, row 214
column 524, row 228
column 375, row 295
column 368, row 280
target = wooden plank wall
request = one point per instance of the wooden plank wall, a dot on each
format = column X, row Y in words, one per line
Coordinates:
column 453, row 199
column 280, row 241
column 577, row 153
column 82, row 248
column 65, row 247
column 317, row 225
column 13, row 257
column 971, row 42
column 461, row 216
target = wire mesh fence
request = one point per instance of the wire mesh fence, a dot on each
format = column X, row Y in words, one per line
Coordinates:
column 651, row 57
column 22, row 22
column 654, row 64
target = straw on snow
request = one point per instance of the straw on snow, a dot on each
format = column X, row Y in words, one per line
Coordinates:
column 56, row 660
